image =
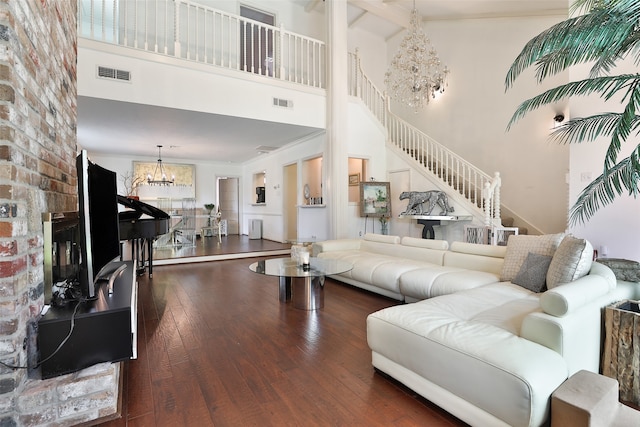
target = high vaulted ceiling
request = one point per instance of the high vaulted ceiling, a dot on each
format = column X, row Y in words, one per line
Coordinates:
column 112, row 127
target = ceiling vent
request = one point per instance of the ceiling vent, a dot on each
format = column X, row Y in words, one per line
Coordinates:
column 263, row 149
column 284, row 103
column 112, row 73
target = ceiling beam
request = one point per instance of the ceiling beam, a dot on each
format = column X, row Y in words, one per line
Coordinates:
column 311, row 4
column 357, row 18
column 384, row 10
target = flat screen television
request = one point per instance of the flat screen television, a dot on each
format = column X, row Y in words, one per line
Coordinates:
column 98, row 223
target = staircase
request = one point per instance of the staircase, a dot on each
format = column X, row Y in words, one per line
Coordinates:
column 478, row 191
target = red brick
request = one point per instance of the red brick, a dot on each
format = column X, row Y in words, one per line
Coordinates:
column 6, row 229
column 11, row 268
column 8, row 326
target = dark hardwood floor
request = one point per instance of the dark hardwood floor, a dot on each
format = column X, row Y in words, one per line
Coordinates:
column 216, row 347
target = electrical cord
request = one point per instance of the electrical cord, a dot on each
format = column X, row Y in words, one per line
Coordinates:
column 64, row 341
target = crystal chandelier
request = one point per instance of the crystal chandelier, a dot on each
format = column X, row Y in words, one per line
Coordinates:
column 416, row 73
column 159, row 170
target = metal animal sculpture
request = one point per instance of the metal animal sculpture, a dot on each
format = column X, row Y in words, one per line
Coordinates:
column 433, row 197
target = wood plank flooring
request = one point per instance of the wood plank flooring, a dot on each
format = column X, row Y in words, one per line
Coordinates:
column 217, row 348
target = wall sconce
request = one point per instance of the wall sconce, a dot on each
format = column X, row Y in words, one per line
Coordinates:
column 558, row 119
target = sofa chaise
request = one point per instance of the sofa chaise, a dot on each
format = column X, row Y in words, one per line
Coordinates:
column 490, row 332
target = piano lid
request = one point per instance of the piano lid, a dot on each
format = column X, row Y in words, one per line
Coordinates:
column 142, row 207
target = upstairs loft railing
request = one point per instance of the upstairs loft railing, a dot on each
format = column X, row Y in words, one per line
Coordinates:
column 479, row 188
column 190, row 31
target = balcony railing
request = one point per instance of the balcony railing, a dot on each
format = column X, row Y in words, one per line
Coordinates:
column 193, row 32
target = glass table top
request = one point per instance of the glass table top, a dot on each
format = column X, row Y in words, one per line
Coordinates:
column 287, row 267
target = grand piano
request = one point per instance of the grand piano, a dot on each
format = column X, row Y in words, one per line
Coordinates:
column 142, row 231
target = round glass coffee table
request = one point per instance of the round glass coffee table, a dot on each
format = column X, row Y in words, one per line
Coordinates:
column 304, row 287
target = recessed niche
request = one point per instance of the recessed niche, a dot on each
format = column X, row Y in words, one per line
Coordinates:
column 259, row 183
column 312, row 182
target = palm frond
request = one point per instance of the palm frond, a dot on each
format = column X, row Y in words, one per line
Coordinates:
column 603, row 190
column 581, row 39
column 623, row 129
column 584, row 129
column 607, row 86
column 606, row 33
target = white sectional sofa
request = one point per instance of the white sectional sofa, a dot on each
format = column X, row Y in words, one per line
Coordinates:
column 476, row 340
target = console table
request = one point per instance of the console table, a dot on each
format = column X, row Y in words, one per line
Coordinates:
column 104, row 328
column 428, row 221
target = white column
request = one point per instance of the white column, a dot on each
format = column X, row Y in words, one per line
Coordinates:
column 336, row 162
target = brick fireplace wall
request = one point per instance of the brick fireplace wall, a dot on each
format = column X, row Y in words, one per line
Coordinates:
column 38, row 100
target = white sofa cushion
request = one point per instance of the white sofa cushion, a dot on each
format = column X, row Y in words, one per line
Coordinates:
column 328, row 246
column 429, row 282
column 571, row 261
column 569, row 297
column 381, row 238
column 472, row 256
column 468, row 343
column 417, row 283
column 519, row 246
column 442, row 245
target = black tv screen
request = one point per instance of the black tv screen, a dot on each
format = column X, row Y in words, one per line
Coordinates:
column 98, row 217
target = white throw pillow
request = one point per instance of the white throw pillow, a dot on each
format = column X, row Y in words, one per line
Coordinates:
column 571, row 261
column 519, row 246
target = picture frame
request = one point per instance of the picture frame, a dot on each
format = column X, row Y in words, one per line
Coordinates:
column 375, row 199
column 354, row 179
column 184, row 185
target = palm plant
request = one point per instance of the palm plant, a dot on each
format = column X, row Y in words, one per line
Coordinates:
column 606, row 32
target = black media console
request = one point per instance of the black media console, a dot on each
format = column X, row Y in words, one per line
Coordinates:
column 104, row 328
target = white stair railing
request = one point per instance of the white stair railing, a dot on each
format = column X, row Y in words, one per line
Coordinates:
column 191, row 31
column 479, row 188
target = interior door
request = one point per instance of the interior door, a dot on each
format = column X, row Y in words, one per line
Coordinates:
column 256, row 42
column 229, row 203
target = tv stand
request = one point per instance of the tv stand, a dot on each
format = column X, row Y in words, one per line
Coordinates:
column 104, row 331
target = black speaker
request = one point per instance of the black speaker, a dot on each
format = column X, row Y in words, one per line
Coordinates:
column 260, row 194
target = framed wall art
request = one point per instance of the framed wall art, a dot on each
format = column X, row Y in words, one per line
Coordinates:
column 183, row 186
column 354, row 179
column 375, row 199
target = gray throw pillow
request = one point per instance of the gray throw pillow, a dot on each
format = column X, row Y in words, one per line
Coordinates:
column 533, row 273
column 571, row 261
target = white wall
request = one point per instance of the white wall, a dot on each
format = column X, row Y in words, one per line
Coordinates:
column 191, row 86
column 366, row 140
column 471, row 116
column 613, row 230
column 272, row 212
column 372, row 51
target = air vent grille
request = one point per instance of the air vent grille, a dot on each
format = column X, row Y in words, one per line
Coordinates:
column 112, row 73
column 283, row 103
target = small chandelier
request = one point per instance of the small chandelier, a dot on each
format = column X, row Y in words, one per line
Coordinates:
column 416, row 73
column 152, row 180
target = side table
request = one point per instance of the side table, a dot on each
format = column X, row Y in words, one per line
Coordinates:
column 621, row 357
